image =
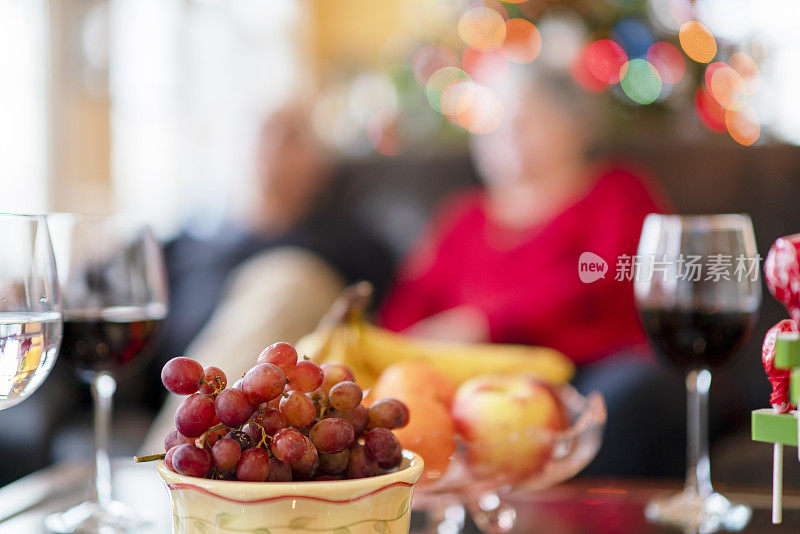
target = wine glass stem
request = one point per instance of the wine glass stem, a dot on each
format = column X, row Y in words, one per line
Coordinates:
column 698, row 474
column 103, row 387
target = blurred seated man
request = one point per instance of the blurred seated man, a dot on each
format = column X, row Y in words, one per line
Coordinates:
column 271, row 275
column 500, row 264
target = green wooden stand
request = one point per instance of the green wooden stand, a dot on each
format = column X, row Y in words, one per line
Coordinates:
column 780, row 428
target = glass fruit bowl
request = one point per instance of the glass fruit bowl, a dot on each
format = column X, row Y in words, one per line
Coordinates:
column 466, row 482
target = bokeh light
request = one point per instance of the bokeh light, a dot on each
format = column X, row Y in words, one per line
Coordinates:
column 431, row 58
column 438, row 81
column 456, row 98
column 484, row 111
column 743, row 125
column 383, row 132
column 697, row 42
column 482, row 28
column 748, row 69
column 669, row 15
column 634, row 36
column 523, row 41
column 710, row 69
column 485, row 67
column 668, row 61
column 640, row 81
column 604, row 59
column 580, row 72
column 711, row 114
column 564, row 32
column 727, row 87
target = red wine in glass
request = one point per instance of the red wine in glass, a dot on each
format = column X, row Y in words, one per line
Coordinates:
column 697, row 339
column 109, row 340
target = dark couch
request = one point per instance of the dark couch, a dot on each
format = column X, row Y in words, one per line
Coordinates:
column 394, row 196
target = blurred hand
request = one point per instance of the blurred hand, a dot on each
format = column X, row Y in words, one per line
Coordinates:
column 466, row 324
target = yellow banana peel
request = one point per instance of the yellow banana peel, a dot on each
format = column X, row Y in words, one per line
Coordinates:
column 344, row 337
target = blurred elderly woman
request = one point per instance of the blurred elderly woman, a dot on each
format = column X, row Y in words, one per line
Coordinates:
column 500, row 264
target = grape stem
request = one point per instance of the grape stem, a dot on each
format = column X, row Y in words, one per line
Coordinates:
column 202, row 441
column 264, row 441
column 149, row 458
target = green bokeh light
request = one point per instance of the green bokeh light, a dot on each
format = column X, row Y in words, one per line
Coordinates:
column 641, row 82
column 438, row 81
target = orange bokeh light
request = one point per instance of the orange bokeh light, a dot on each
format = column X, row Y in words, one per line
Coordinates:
column 743, row 125
column 727, row 87
column 697, row 42
column 748, row 69
column 605, row 59
column 482, row 28
column 668, row 61
column 523, row 41
column 485, row 67
column 484, row 111
column 431, row 58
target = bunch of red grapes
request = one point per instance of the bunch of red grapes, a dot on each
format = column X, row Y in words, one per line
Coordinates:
column 283, row 420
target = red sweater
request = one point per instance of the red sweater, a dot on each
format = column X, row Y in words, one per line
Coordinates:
column 530, row 291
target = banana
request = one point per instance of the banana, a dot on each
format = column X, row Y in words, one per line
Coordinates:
column 343, row 336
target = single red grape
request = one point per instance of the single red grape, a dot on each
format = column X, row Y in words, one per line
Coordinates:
column 253, row 466
column 288, row 445
column 195, row 415
column 244, row 441
column 191, row 460
column 279, row 471
column 332, row 435
column 281, row 354
column 168, row 457
column 358, row 417
column 298, row 410
column 214, row 381
column 380, row 444
column 270, row 419
column 232, row 407
column 306, row 377
column 333, row 373
column 254, row 431
column 345, row 395
column 360, row 465
column 333, row 464
column 306, row 467
column 388, row 413
column 263, row 383
column 395, row 460
column 182, row 375
column 175, row 438
column 225, row 454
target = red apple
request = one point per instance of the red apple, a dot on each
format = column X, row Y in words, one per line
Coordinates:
column 507, row 422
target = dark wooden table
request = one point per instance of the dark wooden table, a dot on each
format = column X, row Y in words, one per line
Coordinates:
column 581, row 506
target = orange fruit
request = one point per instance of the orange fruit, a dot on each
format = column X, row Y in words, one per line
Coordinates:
column 430, row 432
column 414, row 380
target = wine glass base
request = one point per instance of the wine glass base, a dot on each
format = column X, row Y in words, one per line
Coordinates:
column 114, row 518
column 691, row 512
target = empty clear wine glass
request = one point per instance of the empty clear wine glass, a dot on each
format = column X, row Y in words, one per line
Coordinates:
column 698, row 292
column 30, row 307
column 114, row 291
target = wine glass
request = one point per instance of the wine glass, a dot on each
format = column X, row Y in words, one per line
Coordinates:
column 698, row 293
column 114, row 291
column 30, row 307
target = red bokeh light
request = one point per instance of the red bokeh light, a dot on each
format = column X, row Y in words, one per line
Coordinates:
column 711, row 114
column 580, row 71
column 668, row 61
column 604, row 59
column 484, row 67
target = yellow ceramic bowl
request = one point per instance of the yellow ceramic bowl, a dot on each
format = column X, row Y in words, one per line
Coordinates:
column 375, row 504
